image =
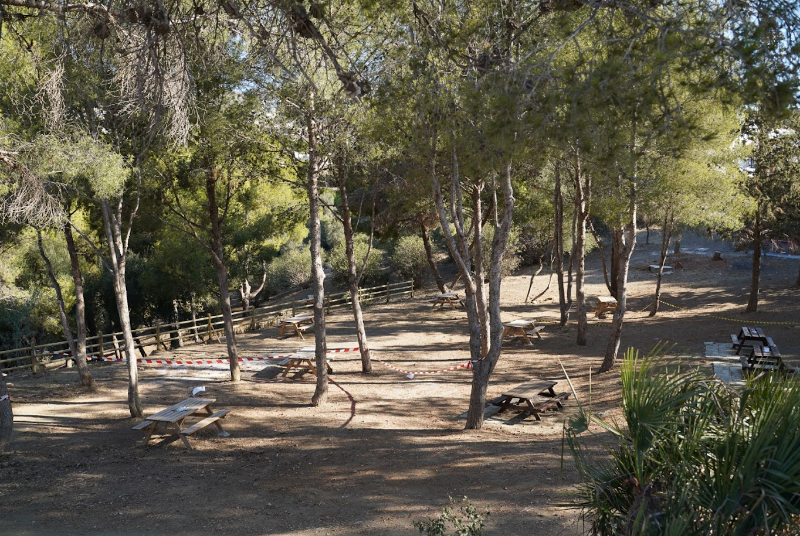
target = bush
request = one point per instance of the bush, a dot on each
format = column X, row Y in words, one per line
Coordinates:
column 511, row 260
column 694, row 457
column 467, row 521
column 409, row 259
column 291, row 269
column 337, row 260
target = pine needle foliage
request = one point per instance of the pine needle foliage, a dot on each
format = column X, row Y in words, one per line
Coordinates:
column 693, row 456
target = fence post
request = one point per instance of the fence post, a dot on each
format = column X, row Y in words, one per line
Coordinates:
column 34, row 361
column 387, row 293
column 100, row 342
column 210, row 330
column 328, row 304
column 158, row 336
column 252, row 318
column 412, row 288
column 294, row 308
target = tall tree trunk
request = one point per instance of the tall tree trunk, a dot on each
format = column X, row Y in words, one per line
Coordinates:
column 558, row 242
column 195, row 332
column 222, row 273
column 571, row 264
column 80, row 309
column 426, row 241
column 353, row 274
column 6, row 415
column 176, row 340
column 62, row 311
column 582, row 197
column 666, row 236
column 480, row 270
column 624, row 244
column 317, row 273
column 755, row 278
column 118, row 257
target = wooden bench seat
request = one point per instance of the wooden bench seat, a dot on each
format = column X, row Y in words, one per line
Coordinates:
column 142, row 425
column 306, row 327
column 535, row 331
column 205, row 422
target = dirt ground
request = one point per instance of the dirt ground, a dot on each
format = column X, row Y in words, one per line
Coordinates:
column 385, row 449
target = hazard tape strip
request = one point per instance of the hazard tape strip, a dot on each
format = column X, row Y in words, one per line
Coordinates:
column 737, row 320
column 412, row 373
column 5, row 397
column 214, row 361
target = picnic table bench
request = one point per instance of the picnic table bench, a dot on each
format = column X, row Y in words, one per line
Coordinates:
column 171, row 419
column 605, row 304
column 522, row 328
column 534, row 397
column 763, row 359
column 299, row 324
column 302, row 361
column 747, row 336
column 447, row 298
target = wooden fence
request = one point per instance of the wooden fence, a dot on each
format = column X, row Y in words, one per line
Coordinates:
column 189, row 331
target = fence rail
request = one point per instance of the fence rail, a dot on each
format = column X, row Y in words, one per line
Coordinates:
column 196, row 330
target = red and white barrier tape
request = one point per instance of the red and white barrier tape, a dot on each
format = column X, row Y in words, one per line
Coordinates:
column 5, row 397
column 213, row 361
column 411, row 373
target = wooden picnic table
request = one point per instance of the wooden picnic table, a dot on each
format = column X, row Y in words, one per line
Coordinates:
column 447, row 298
column 534, row 397
column 747, row 336
column 302, row 361
column 605, row 304
column 762, row 359
column 523, row 328
column 170, row 420
column 298, row 324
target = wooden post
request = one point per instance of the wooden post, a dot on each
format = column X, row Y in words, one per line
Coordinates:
column 252, row 318
column 387, row 293
column 328, row 304
column 34, row 361
column 114, row 340
column 100, row 343
column 294, row 308
column 412, row 289
column 158, row 337
column 210, row 330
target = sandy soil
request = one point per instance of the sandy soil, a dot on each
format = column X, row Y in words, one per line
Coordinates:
column 385, row 449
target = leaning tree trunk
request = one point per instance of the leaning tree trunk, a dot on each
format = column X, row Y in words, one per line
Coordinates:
column 426, row 241
column 117, row 254
column 317, row 273
column 218, row 254
column 6, row 415
column 755, row 278
column 624, row 242
column 80, row 309
column 62, row 312
column 666, row 235
column 582, row 198
column 606, row 278
column 353, row 275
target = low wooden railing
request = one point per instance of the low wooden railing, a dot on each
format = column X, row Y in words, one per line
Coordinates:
column 197, row 330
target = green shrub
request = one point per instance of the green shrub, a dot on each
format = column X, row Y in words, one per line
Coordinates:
column 409, row 259
column 291, row 269
column 511, row 260
column 694, row 456
column 337, row 260
column 467, row 521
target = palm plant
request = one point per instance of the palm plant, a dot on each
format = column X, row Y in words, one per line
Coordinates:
column 694, row 456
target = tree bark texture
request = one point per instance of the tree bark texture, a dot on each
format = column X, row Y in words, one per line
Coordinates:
column 222, row 273
column 666, row 236
column 80, row 309
column 118, row 256
column 426, row 241
column 317, row 273
column 62, row 311
column 755, row 278
column 176, row 340
column 353, row 275
column 582, row 198
column 558, row 242
column 624, row 244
